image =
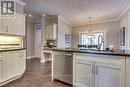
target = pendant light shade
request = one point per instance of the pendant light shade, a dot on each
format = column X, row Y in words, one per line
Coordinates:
column 90, row 26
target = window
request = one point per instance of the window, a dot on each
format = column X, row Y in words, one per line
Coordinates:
column 86, row 39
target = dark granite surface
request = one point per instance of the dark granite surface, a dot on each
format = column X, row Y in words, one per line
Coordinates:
column 102, row 52
column 10, row 49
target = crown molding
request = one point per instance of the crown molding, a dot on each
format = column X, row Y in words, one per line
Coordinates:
column 96, row 22
column 20, row 2
column 108, row 20
column 60, row 17
column 124, row 12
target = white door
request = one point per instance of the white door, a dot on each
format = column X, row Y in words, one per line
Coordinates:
column 107, row 76
column 38, row 47
column 84, row 74
column 12, row 65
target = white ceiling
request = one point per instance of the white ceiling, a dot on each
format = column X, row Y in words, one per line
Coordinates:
column 77, row 11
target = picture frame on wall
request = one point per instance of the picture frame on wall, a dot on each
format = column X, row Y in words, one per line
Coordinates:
column 67, row 38
column 122, row 36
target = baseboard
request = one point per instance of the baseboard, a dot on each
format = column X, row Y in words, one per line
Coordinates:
column 30, row 57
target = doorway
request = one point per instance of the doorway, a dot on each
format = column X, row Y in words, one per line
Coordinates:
column 38, row 30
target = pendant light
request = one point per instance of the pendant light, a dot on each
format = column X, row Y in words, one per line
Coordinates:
column 90, row 31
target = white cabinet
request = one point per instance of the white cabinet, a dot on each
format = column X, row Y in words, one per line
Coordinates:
column 1, row 68
column 12, row 65
column 0, row 21
column 51, row 31
column 1, row 71
column 84, row 74
column 97, row 71
column 23, row 61
column 107, row 76
column 23, row 25
column 14, row 24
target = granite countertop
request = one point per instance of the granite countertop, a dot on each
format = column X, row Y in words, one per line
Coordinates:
column 10, row 49
column 102, row 52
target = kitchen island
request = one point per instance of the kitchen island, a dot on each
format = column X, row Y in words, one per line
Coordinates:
column 91, row 68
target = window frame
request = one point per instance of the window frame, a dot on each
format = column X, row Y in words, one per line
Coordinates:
column 97, row 31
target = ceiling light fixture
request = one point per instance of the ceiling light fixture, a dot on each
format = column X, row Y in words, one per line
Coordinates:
column 29, row 15
column 90, row 26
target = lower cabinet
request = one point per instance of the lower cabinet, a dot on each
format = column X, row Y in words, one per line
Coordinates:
column 22, row 62
column 84, row 74
column 1, row 71
column 12, row 65
column 107, row 76
column 90, row 71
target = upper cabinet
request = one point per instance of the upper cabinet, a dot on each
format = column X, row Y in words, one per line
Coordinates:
column 51, row 28
column 51, row 31
column 13, row 24
column 0, row 21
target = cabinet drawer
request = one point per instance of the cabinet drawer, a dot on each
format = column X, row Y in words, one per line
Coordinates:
column 98, row 58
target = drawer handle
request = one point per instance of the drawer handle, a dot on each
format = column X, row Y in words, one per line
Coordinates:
column 93, row 69
column 97, row 70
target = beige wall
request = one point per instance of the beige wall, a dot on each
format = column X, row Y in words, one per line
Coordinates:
column 30, row 38
column 112, row 33
column 63, row 28
column 124, row 23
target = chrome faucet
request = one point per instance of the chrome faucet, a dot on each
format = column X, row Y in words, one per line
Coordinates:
column 102, row 42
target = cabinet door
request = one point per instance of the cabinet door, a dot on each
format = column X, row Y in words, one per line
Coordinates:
column 12, row 24
column 84, row 74
column 23, row 25
column 12, row 65
column 1, row 70
column 51, row 31
column 0, row 21
column 22, row 61
column 107, row 76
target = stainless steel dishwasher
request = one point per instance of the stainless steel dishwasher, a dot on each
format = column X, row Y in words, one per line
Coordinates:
column 62, row 66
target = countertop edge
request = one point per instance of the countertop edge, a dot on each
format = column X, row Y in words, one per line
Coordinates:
column 92, row 52
column 6, row 50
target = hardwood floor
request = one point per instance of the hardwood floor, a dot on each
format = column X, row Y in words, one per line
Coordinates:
column 36, row 75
